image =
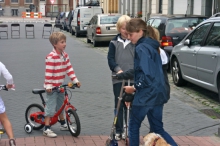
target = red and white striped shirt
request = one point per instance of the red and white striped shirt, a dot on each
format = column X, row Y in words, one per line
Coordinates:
column 57, row 66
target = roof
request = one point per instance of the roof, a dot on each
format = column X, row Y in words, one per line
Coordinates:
column 176, row 16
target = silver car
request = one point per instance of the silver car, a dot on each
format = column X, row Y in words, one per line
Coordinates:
column 196, row 58
column 102, row 28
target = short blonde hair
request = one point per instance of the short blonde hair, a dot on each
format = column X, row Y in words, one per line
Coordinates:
column 122, row 20
column 157, row 34
column 55, row 37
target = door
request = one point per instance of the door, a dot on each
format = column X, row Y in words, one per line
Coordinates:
column 89, row 29
column 189, row 53
column 207, row 57
column 42, row 9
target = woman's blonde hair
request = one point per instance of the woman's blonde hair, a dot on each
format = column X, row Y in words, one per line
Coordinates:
column 55, row 37
column 123, row 19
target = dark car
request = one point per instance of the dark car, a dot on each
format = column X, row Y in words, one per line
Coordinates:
column 174, row 28
column 63, row 20
column 58, row 17
column 69, row 20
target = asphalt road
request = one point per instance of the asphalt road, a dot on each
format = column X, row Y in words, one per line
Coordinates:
column 94, row 100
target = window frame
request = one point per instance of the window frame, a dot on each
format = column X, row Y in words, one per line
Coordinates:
column 25, row 1
column 14, row 2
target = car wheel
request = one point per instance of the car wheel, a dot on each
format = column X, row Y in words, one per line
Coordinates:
column 77, row 34
column 176, row 73
column 88, row 40
column 95, row 44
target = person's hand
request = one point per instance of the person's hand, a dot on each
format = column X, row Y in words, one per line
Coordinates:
column 49, row 90
column 8, row 86
column 78, row 84
column 120, row 71
column 128, row 104
column 129, row 89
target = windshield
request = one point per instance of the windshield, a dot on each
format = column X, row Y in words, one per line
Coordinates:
column 184, row 25
column 109, row 19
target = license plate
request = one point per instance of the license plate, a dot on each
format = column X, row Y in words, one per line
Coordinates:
column 111, row 28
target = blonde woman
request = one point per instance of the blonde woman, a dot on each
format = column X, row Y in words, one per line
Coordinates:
column 120, row 59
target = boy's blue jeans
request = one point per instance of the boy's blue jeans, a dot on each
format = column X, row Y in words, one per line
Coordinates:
column 154, row 114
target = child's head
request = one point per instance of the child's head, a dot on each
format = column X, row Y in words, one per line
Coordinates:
column 121, row 25
column 55, row 37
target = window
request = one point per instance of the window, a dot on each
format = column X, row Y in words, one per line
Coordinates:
column 214, row 36
column 156, row 23
column 109, row 19
column 28, row 1
column 199, row 34
column 149, row 22
column 2, row 1
column 160, row 6
column 14, row 1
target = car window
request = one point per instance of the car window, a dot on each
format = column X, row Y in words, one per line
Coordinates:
column 149, row 22
column 199, row 34
column 213, row 38
column 156, row 23
column 183, row 25
column 109, row 19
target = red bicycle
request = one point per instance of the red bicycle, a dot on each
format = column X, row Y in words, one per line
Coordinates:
column 35, row 113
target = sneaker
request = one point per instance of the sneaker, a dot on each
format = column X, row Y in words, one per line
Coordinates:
column 117, row 136
column 12, row 142
column 49, row 133
column 64, row 127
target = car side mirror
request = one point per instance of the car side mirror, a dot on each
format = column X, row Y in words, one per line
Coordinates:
column 187, row 42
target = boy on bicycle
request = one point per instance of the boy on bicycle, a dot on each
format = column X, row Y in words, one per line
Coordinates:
column 57, row 66
column 3, row 116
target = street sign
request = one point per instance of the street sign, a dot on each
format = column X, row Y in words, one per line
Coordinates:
column 52, row 1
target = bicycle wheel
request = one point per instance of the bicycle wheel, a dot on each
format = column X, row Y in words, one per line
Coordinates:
column 33, row 108
column 73, row 122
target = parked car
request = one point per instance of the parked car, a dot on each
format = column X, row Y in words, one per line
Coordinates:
column 63, row 20
column 58, row 17
column 68, row 21
column 102, row 27
column 196, row 58
column 81, row 16
column 216, row 15
column 173, row 28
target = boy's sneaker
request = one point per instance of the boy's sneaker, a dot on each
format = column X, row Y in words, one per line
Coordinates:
column 64, row 127
column 117, row 136
column 12, row 142
column 49, row 133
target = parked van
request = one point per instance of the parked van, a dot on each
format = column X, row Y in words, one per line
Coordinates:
column 83, row 15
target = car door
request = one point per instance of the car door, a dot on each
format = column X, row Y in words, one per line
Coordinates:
column 207, row 56
column 188, row 53
column 93, row 25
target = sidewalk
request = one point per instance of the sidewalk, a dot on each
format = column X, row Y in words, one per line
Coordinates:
column 100, row 141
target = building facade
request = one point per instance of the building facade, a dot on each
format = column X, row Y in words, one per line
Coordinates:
column 146, row 8
column 16, row 7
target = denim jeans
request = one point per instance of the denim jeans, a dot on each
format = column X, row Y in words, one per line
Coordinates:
column 154, row 114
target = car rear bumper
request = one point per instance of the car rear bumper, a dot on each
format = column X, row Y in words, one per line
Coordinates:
column 100, row 38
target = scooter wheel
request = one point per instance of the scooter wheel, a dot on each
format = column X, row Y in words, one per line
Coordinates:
column 28, row 128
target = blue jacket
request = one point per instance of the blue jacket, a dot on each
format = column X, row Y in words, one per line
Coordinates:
column 149, row 78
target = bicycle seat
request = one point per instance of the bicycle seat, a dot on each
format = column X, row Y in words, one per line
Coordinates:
column 38, row 91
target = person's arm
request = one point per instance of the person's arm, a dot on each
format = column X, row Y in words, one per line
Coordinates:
column 129, row 74
column 70, row 72
column 145, row 68
column 6, row 74
column 49, row 61
column 111, row 59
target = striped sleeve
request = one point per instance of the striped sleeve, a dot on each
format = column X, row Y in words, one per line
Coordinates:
column 69, row 70
column 50, row 65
